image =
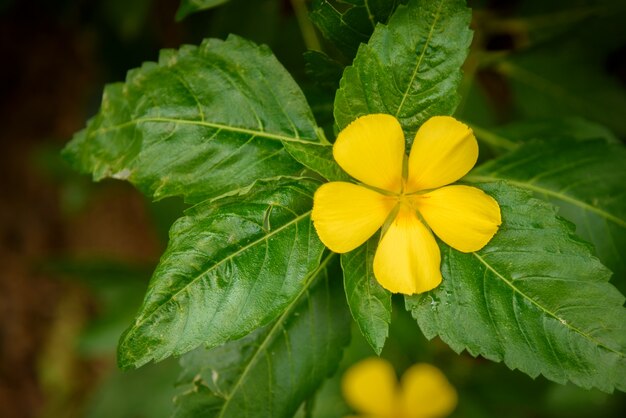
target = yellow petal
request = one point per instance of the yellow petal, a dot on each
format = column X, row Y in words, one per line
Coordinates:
column 370, row 387
column 443, row 151
column 371, row 149
column 407, row 259
column 426, row 393
column 464, row 217
column 345, row 215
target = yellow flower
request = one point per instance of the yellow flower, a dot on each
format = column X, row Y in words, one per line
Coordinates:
column 405, row 197
column 371, row 388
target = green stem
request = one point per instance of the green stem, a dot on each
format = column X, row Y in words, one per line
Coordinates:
column 309, row 35
column 492, row 139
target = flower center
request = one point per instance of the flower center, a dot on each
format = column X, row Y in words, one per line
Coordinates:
column 407, row 200
column 406, row 204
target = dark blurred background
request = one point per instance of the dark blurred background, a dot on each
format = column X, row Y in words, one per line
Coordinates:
column 76, row 256
column 56, row 56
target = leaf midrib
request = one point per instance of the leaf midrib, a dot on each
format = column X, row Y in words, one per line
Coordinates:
column 421, row 57
column 256, row 133
column 561, row 196
column 545, row 310
column 215, row 265
column 271, row 334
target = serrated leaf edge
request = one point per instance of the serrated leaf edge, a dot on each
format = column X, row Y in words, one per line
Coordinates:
column 142, row 319
column 543, row 309
column 421, row 57
column 551, row 193
column 268, row 337
column 275, row 327
column 368, row 338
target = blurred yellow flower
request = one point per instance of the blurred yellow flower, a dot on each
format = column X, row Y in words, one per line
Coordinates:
column 404, row 196
column 370, row 387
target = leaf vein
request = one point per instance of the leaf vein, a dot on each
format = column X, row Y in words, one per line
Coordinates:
column 544, row 309
column 272, row 332
column 557, row 195
column 230, row 257
column 262, row 134
column 421, row 57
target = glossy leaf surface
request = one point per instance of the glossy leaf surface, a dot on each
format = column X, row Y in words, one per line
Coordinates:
column 369, row 303
column 231, row 266
column 319, row 159
column 203, row 122
column 410, row 68
column 348, row 23
column 534, row 298
column 270, row 372
column 584, row 179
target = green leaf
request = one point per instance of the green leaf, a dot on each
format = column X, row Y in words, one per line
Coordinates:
column 369, row 303
column 319, row 159
column 323, row 70
column 410, row 68
column 272, row 371
column 324, row 74
column 203, row 122
column 188, row 7
column 585, row 180
column 348, row 23
column 232, row 265
column 535, row 298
